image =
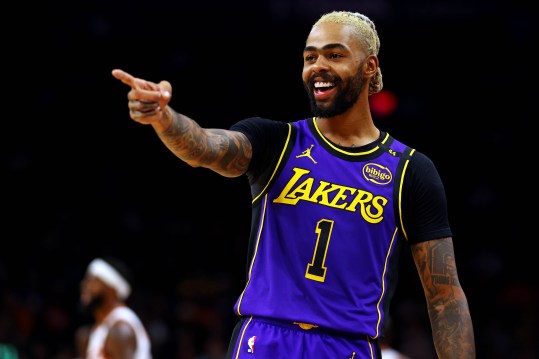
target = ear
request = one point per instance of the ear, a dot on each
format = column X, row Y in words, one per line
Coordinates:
column 370, row 66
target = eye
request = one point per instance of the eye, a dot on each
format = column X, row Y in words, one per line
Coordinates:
column 335, row 55
column 310, row 58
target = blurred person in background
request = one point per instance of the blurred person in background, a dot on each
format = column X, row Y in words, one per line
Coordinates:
column 334, row 199
column 117, row 331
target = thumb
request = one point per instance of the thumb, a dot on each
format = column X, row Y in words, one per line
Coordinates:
column 166, row 93
column 165, row 87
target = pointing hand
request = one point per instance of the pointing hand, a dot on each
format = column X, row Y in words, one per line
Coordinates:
column 147, row 100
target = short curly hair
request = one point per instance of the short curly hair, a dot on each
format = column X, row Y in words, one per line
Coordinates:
column 366, row 33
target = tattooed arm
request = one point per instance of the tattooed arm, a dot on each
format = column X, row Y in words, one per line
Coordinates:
column 225, row 152
column 447, row 305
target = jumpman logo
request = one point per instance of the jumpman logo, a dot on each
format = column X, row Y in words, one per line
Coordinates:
column 307, row 153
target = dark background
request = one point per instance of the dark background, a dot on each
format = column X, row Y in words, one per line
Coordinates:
column 81, row 179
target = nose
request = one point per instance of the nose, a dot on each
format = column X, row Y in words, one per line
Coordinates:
column 84, row 282
column 320, row 65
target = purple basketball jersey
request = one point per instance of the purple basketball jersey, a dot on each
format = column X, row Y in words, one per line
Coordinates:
column 328, row 224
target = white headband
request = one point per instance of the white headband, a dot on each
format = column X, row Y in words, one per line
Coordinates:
column 108, row 274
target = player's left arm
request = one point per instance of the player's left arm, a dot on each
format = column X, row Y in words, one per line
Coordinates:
column 447, row 305
column 121, row 342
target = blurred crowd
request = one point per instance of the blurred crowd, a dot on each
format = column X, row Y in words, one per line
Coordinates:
column 192, row 318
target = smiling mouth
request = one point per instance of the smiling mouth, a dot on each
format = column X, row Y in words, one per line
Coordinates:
column 321, row 87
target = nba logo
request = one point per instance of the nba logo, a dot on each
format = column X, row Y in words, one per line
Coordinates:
column 251, row 344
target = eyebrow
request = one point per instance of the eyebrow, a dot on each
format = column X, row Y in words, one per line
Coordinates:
column 325, row 47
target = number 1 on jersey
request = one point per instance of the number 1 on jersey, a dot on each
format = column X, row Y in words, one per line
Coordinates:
column 316, row 269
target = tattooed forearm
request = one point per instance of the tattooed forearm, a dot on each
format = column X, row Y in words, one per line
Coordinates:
column 226, row 152
column 446, row 302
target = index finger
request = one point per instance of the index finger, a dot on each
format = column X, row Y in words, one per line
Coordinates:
column 124, row 77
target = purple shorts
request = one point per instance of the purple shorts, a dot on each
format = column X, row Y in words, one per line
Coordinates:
column 268, row 339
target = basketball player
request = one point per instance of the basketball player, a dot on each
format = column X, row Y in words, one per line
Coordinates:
column 117, row 331
column 334, row 199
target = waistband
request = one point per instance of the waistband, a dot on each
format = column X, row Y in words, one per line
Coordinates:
column 310, row 328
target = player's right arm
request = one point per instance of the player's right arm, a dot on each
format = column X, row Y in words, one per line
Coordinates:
column 223, row 151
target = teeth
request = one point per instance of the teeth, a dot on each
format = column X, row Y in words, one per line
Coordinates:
column 323, row 84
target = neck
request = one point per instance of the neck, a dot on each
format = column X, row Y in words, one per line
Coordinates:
column 101, row 313
column 353, row 128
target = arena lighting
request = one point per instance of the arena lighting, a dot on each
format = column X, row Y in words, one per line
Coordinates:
column 383, row 103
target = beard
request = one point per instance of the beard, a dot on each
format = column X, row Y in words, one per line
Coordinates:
column 347, row 95
column 95, row 303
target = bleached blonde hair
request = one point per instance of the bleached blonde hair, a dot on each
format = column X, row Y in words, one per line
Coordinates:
column 366, row 33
